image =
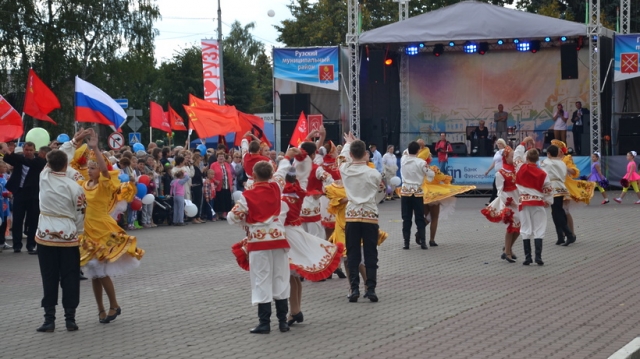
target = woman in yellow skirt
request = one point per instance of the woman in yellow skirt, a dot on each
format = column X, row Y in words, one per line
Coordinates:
column 580, row 191
column 105, row 249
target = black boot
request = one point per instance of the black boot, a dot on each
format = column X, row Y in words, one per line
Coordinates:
column 70, row 319
column 264, row 314
column 423, row 244
column 406, row 243
column 571, row 237
column 538, row 244
column 354, row 281
column 281, row 312
column 526, row 243
column 49, row 320
column 371, row 284
column 560, row 240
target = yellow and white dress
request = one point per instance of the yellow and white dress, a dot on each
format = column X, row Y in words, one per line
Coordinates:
column 440, row 190
column 579, row 191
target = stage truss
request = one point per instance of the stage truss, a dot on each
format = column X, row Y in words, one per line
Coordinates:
column 593, row 33
column 353, row 43
column 624, row 16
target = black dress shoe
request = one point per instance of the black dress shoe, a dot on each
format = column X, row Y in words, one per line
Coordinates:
column 560, row 242
column 514, row 256
column 340, row 273
column 110, row 318
column 569, row 241
column 261, row 329
column 433, row 244
column 353, row 297
column 423, row 246
column 296, row 318
column 406, row 246
column 371, row 294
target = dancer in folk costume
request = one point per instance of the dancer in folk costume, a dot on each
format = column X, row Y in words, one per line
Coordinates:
column 257, row 210
column 631, row 178
column 535, row 194
column 330, row 166
column 105, row 249
column 596, row 176
column 439, row 200
column 250, row 156
column 504, row 209
column 580, row 191
column 557, row 171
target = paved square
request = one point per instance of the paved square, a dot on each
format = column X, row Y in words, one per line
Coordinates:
column 189, row 299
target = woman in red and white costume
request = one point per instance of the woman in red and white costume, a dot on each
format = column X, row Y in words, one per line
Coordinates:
column 250, row 156
column 504, row 209
column 330, row 166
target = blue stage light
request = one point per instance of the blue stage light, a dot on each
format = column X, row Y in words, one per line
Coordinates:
column 452, row 44
column 470, row 48
column 547, row 39
column 563, row 39
column 516, row 41
column 411, row 50
column 421, row 45
column 500, row 42
column 523, row 46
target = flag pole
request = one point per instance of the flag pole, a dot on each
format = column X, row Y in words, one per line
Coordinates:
column 150, row 134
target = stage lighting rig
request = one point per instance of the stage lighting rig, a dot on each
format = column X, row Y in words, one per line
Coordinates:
column 438, row 50
column 470, row 47
column 523, row 46
column 547, row 39
column 563, row 38
column 535, row 46
column 452, row 44
column 483, row 47
column 516, row 41
column 421, row 45
column 500, row 42
column 388, row 61
column 411, row 50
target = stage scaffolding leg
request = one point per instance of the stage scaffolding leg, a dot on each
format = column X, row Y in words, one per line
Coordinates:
column 405, row 136
column 354, row 66
column 593, row 33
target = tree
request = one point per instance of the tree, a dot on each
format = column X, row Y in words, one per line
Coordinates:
column 263, row 100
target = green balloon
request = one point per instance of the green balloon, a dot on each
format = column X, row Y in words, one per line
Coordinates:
column 39, row 136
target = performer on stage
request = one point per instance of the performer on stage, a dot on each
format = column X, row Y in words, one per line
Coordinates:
column 500, row 120
column 578, row 119
column 560, row 116
column 105, row 249
column 257, row 210
column 504, row 209
column 414, row 172
column 536, row 193
column 443, row 148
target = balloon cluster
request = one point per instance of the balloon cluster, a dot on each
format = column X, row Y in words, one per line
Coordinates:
column 142, row 189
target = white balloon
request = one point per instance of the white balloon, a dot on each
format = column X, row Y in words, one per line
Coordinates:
column 187, row 203
column 271, row 13
column 236, row 195
column 395, row 181
column 191, row 210
column 148, row 199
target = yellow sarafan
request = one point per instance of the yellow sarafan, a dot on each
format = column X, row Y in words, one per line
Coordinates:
column 103, row 239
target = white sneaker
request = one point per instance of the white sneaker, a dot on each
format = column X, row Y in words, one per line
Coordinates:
column 619, row 200
column 6, row 246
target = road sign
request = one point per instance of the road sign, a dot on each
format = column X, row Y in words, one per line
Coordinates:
column 116, row 141
column 123, row 102
column 135, row 137
column 135, row 124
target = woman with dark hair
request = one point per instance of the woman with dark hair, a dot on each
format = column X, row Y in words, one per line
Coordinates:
column 223, row 179
column 196, row 186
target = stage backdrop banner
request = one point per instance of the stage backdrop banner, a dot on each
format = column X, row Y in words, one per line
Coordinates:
column 213, row 92
column 626, row 57
column 314, row 66
column 456, row 90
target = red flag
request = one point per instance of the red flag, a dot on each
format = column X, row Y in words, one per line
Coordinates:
column 10, row 122
column 223, row 140
column 251, row 123
column 176, row 122
column 158, row 118
column 300, row 132
column 209, row 122
column 39, row 100
column 197, row 102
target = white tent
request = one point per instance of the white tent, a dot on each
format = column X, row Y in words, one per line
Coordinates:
column 472, row 20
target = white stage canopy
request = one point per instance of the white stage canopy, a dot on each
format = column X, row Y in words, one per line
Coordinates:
column 472, row 20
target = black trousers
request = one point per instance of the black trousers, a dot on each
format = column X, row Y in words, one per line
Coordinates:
column 494, row 191
column 3, row 230
column 577, row 139
column 60, row 266
column 559, row 217
column 26, row 208
column 411, row 206
column 196, row 198
column 367, row 234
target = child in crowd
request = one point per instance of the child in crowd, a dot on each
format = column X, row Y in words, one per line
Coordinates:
column 536, row 194
column 597, row 176
column 4, row 206
column 209, row 193
column 630, row 179
column 177, row 191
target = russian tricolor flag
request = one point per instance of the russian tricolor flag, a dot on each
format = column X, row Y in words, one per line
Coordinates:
column 93, row 105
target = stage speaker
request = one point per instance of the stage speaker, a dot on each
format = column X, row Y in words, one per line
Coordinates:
column 292, row 104
column 629, row 126
column 376, row 65
column 548, row 136
column 459, row 149
column 569, row 61
column 286, row 131
column 627, row 144
column 333, row 131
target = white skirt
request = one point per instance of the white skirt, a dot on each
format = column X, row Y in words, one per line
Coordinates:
column 312, row 257
column 101, row 269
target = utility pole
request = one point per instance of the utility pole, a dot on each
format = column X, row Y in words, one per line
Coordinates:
column 221, row 98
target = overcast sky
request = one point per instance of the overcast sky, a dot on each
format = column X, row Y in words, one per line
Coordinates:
column 186, row 22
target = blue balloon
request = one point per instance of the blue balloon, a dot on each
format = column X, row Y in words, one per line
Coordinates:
column 138, row 147
column 142, row 190
column 63, row 137
column 202, row 148
column 123, row 177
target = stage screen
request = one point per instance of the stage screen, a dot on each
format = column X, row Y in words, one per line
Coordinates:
column 456, row 90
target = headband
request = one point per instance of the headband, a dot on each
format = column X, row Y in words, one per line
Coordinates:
column 597, row 153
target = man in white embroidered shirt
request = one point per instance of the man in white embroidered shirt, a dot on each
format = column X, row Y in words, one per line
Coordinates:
column 414, row 171
column 361, row 184
column 62, row 206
